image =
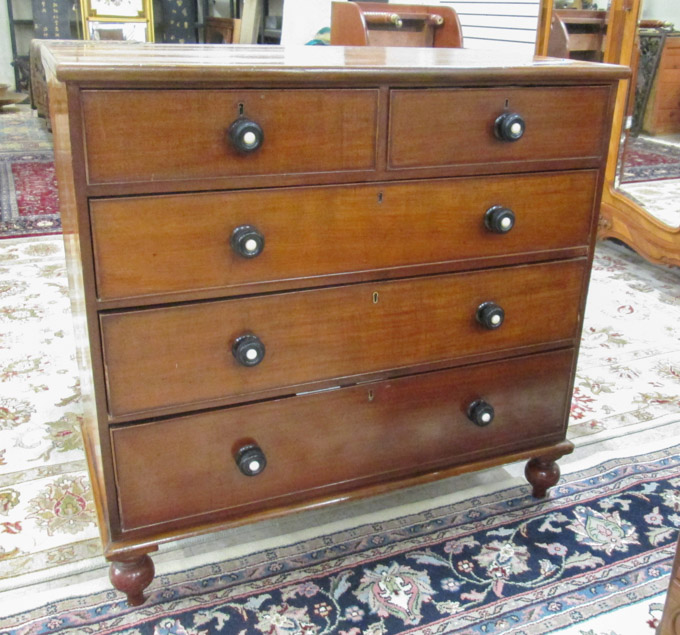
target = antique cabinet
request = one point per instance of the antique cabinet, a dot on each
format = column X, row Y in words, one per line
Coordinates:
column 304, row 275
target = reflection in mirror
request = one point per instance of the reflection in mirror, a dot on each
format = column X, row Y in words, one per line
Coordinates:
column 117, row 8
column 649, row 169
column 124, row 31
column 641, row 197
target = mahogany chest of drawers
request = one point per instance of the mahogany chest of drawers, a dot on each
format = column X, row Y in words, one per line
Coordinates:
column 314, row 274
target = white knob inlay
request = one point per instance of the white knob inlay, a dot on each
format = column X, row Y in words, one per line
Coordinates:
column 486, row 417
column 254, row 466
column 251, row 354
column 251, row 244
column 506, row 222
column 249, row 138
column 516, row 128
column 495, row 319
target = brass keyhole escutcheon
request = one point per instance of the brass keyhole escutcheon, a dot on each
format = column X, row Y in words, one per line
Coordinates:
column 376, row 297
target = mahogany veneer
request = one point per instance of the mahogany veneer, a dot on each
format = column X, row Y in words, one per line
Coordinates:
column 304, row 275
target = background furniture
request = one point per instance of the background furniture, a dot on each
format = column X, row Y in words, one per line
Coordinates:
column 222, row 30
column 377, row 24
column 579, row 34
column 247, row 351
column 662, row 112
column 38, row 19
column 177, row 21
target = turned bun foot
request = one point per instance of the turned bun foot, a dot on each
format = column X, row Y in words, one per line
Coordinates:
column 131, row 576
column 542, row 473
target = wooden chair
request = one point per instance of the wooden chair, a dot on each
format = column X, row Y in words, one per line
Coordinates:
column 378, row 24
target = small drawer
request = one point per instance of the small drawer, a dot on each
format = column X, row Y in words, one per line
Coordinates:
column 316, row 444
column 452, row 127
column 146, row 246
column 220, row 351
column 168, row 135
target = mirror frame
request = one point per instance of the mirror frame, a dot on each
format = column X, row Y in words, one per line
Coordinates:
column 621, row 217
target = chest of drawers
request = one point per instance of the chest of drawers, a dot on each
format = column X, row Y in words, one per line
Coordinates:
column 316, row 274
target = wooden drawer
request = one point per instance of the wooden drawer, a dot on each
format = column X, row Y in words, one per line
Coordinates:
column 160, row 135
column 447, row 127
column 179, row 356
column 168, row 244
column 323, row 442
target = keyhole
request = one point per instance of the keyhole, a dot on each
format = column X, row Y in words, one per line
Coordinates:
column 371, row 396
column 376, row 297
column 380, row 197
column 507, row 104
column 240, row 109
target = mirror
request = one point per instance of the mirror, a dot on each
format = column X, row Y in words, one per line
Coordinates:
column 644, row 214
column 126, row 20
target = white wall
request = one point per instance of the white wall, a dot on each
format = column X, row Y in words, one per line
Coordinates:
column 668, row 10
column 506, row 24
column 302, row 19
column 498, row 24
column 6, row 70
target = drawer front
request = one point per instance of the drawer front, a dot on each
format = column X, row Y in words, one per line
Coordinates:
column 324, row 442
column 155, row 245
column 450, row 127
column 180, row 356
column 134, row 135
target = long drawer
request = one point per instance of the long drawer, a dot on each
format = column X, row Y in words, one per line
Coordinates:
column 132, row 135
column 446, row 127
column 185, row 467
column 186, row 355
column 165, row 244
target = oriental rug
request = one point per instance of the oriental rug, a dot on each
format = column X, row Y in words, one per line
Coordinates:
column 646, row 159
column 500, row 562
column 29, row 205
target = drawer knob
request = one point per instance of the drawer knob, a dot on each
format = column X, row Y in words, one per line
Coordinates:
column 509, row 126
column 480, row 412
column 248, row 350
column 245, row 135
column 246, row 241
column 251, row 460
column 490, row 315
column 499, row 220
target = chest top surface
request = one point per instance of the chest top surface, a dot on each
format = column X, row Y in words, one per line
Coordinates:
column 111, row 63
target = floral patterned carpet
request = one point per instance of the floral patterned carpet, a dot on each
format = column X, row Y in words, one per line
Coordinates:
column 46, row 514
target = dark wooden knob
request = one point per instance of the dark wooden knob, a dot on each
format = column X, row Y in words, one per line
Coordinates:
column 490, row 315
column 480, row 412
column 499, row 219
column 509, row 126
column 246, row 241
column 245, row 135
column 251, row 460
column 248, row 350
